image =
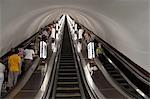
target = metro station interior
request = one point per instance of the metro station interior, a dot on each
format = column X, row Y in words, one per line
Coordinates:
column 82, row 49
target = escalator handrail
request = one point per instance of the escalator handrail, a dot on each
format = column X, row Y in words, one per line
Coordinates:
column 124, row 76
column 96, row 94
column 143, row 76
column 129, row 67
column 5, row 57
column 77, row 66
column 55, row 65
column 44, row 93
column 24, row 43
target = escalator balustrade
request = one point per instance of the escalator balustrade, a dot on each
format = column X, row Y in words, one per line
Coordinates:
column 116, row 75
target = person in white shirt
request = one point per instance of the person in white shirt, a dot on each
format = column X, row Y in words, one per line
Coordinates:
column 2, row 68
column 53, row 45
column 29, row 54
column 79, row 46
column 80, row 33
column 91, row 67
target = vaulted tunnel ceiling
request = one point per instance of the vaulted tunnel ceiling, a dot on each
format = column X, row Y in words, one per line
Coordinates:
column 122, row 23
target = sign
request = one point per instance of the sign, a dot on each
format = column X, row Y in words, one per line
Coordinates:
column 80, row 33
column 43, row 49
column 91, row 51
column 53, row 33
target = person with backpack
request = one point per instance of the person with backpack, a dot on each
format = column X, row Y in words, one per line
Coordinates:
column 99, row 51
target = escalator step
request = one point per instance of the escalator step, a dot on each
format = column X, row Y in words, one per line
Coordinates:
column 113, row 72
column 109, row 67
column 68, row 83
column 67, row 67
column 67, row 61
column 124, row 84
column 121, row 81
column 67, row 79
column 73, row 64
column 68, row 74
column 66, row 53
column 67, row 70
column 116, row 75
column 66, row 58
column 68, row 90
column 71, row 95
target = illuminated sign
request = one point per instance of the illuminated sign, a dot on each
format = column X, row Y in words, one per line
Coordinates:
column 91, row 51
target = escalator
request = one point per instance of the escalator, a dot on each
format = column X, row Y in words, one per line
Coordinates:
column 67, row 83
column 119, row 78
column 125, row 73
column 144, row 87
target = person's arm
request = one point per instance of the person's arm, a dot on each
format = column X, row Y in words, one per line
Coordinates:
column 19, row 60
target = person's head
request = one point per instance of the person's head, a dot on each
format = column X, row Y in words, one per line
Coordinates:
column 15, row 51
column 12, row 51
column 99, row 44
column 20, row 48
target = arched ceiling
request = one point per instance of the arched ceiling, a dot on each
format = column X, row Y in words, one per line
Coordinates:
column 122, row 23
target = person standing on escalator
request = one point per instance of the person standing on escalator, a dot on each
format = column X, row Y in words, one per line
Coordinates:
column 29, row 54
column 99, row 51
column 14, row 67
column 79, row 46
column 21, row 54
column 2, row 68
